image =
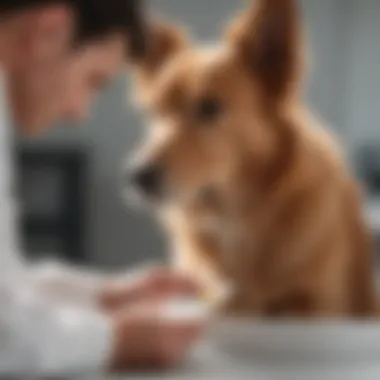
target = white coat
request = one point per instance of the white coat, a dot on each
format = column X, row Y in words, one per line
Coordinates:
column 49, row 324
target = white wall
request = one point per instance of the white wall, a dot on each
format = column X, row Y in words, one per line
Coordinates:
column 363, row 74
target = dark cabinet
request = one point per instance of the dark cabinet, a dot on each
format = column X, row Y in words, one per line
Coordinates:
column 52, row 184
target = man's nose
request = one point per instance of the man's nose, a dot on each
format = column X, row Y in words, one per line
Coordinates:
column 147, row 179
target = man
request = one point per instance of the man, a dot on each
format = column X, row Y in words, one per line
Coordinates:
column 55, row 55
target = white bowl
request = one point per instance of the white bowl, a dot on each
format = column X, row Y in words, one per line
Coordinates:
column 297, row 342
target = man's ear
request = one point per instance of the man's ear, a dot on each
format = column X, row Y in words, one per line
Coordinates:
column 267, row 38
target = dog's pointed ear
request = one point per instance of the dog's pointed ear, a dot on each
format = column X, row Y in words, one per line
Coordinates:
column 163, row 41
column 267, row 37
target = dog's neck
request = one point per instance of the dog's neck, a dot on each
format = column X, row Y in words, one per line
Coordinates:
column 221, row 216
column 233, row 214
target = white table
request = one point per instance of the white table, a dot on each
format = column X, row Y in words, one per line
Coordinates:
column 246, row 350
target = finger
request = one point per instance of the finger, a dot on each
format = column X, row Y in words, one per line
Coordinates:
column 172, row 281
column 180, row 334
column 121, row 295
column 178, row 341
column 158, row 290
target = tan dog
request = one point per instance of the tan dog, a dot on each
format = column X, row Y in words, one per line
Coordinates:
column 253, row 193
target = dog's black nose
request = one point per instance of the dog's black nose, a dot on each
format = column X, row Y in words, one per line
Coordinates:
column 148, row 179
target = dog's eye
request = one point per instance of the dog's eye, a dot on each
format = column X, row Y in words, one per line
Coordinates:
column 208, row 109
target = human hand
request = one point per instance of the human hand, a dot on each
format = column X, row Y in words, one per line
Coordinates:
column 152, row 286
column 146, row 338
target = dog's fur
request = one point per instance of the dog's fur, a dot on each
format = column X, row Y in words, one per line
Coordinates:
column 257, row 195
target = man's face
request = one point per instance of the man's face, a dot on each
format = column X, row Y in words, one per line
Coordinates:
column 49, row 80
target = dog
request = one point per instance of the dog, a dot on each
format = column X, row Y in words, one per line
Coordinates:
column 257, row 200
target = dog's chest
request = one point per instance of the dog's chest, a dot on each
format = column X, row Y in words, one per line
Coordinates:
column 225, row 234
column 213, row 235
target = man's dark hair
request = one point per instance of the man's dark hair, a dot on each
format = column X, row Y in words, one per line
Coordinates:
column 96, row 18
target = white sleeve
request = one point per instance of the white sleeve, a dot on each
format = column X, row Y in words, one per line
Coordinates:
column 68, row 284
column 76, row 286
column 38, row 338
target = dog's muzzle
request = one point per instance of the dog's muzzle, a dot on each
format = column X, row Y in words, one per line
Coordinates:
column 147, row 180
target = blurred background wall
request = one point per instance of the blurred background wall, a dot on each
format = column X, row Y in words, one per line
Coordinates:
column 343, row 88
